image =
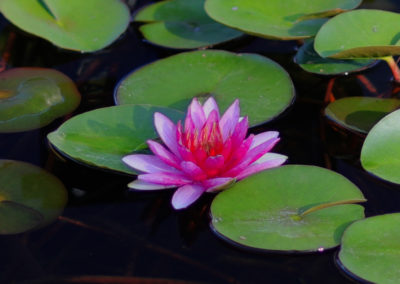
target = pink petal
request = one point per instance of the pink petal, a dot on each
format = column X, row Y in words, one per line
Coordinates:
column 229, row 120
column 165, row 179
column 167, row 131
column 209, row 106
column 142, row 185
column 251, row 156
column 166, row 156
column 239, row 153
column 263, row 137
column 213, row 165
column 193, row 171
column 186, row 195
column 240, row 132
column 197, row 114
column 257, row 167
column 185, row 154
column 148, row 164
column 216, row 184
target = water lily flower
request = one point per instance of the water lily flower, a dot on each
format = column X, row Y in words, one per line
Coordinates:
column 208, row 153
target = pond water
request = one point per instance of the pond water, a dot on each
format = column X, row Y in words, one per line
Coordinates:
column 108, row 231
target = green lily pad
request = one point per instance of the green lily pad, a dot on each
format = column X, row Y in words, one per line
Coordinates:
column 291, row 208
column 29, row 197
column 276, row 19
column 102, row 137
column 371, row 250
column 360, row 113
column 16, row 218
column 182, row 24
column 381, row 150
column 359, row 34
column 264, row 88
column 310, row 61
column 31, row 98
column 87, row 25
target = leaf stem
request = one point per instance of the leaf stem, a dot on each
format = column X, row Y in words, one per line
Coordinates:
column 329, row 204
column 394, row 67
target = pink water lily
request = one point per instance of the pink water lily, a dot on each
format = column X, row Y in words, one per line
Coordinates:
column 206, row 154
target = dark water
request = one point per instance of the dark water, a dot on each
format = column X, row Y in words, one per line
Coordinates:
column 107, row 230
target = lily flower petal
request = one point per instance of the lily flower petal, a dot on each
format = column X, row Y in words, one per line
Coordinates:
column 148, row 163
column 142, row 185
column 166, row 129
column 166, row 156
column 196, row 112
column 216, row 184
column 165, row 179
column 258, row 167
column 193, row 171
column 186, row 195
column 209, row 106
column 229, row 120
column 263, row 137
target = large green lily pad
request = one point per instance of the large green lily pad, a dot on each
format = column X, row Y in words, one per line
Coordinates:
column 29, row 197
column 264, row 88
column 31, row 98
column 359, row 34
column 380, row 154
column 310, row 61
column 268, row 211
column 360, row 113
column 276, row 19
column 102, row 137
column 87, row 25
column 182, row 24
column 370, row 249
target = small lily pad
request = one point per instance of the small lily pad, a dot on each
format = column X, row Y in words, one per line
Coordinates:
column 381, row 150
column 87, row 25
column 276, row 19
column 291, row 208
column 359, row 34
column 29, row 197
column 102, row 137
column 31, row 98
column 370, row 249
column 264, row 88
column 182, row 24
column 360, row 113
column 310, row 61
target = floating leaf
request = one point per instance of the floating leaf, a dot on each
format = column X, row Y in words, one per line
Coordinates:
column 16, row 218
column 370, row 249
column 310, row 61
column 359, row 34
column 360, row 113
column 276, row 19
column 291, row 208
column 182, row 24
column 33, row 97
column 87, row 25
column 263, row 87
column 29, row 196
column 381, row 150
column 103, row 136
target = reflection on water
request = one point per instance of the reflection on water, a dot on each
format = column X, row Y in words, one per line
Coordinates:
column 108, row 230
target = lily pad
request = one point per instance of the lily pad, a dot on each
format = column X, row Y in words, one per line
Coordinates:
column 31, row 98
column 360, row 113
column 291, row 208
column 87, row 25
column 29, row 197
column 276, row 19
column 381, row 150
column 102, row 137
column 182, row 24
column 310, row 61
column 359, row 34
column 264, row 88
column 370, row 249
